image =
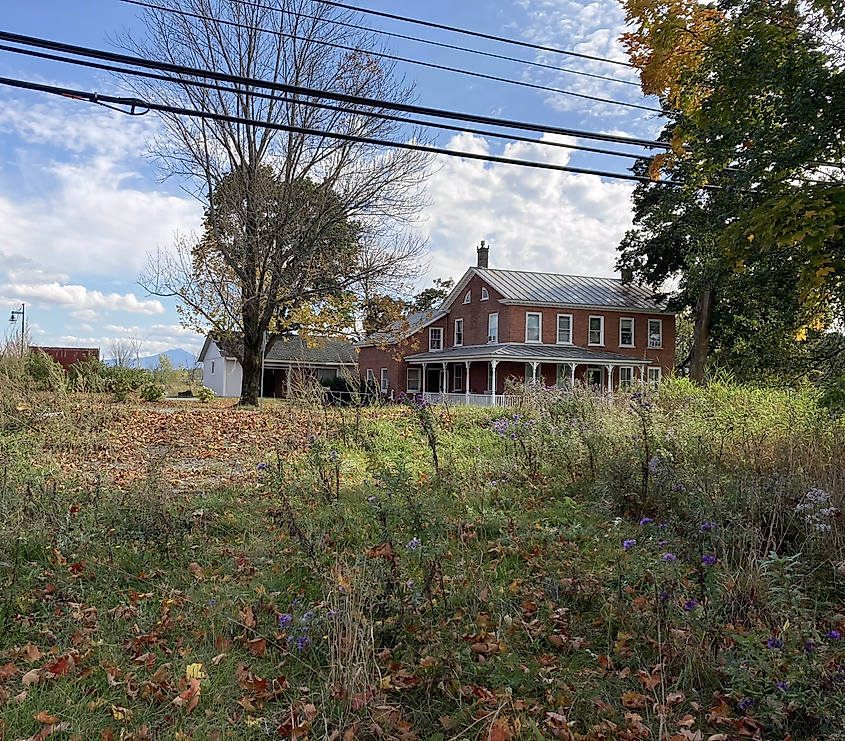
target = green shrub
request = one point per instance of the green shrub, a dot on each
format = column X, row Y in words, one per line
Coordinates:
column 152, row 392
column 204, row 394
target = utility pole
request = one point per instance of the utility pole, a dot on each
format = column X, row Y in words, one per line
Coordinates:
column 22, row 314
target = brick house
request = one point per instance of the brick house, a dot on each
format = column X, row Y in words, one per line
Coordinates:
column 497, row 325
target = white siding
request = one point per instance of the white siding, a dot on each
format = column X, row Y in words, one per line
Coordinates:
column 227, row 377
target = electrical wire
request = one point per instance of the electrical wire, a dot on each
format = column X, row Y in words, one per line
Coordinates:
column 430, row 42
column 314, row 104
column 135, row 103
column 466, row 32
column 321, row 94
column 406, row 60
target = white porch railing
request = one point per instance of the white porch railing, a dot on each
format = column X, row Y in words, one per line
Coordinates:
column 473, row 400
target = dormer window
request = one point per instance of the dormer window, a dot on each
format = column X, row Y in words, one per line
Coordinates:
column 435, row 338
column 484, row 295
column 468, row 297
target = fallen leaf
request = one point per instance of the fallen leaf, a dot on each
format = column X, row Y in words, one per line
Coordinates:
column 190, row 698
column 60, row 668
column 675, row 698
column 247, row 617
column 45, row 718
column 21, row 698
column 383, row 550
column 194, row 671
column 484, row 594
column 718, row 737
column 33, row 653
column 257, row 646
column 31, row 677
column 217, row 659
column 7, row 671
column 122, row 714
column 634, row 700
column 195, row 569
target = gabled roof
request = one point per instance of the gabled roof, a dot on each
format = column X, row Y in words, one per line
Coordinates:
column 524, row 352
column 295, row 350
column 399, row 330
column 564, row 291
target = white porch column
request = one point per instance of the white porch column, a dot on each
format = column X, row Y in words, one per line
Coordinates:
column 609, row 369
column 534, row 365
column 424, row 365
column 493, row 364
column 466, row 380
column 572, row 367
column 287, row 381
column 444, row 385
column 642, row 374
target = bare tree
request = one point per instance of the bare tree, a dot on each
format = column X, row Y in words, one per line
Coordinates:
column 293, row 222
column 124, row 353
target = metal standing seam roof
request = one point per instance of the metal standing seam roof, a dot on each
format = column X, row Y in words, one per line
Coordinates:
column 550, row 288
column 521, row 352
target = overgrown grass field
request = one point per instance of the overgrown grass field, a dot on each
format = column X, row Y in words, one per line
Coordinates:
column 662, row 564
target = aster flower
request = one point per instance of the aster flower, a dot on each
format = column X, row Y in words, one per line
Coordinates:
column 783, row 686
column 678, row 487
column 261, row 466
column 285, row 620
column 745, row 703
column 690, row 605
column 302, row 643
column 668, row 557
column 646, row 521
column 708, row 560
column 628, row 543
column 774, row 642
column 665, row 596
column 413, row 544
column 707, row 526
column 834, row 635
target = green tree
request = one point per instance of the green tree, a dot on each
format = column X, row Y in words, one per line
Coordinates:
column 430, row 298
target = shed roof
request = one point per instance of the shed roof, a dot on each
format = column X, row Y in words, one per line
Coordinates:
column 296, row 350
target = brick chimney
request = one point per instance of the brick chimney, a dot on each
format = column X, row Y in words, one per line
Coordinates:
column 483, row 255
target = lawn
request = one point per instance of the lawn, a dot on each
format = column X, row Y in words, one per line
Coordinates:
column 663, row 564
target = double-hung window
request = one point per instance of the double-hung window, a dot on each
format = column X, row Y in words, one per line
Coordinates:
column 626, row 332
column 492, row 328
column 596, row 330
column 654, row 375
column 414, row 380
column 435, row 338
column 457, row 376
column 533, row 327
column 564, row 329
column 459, row 332
column 384, row 381
column 626, row 376
column 655, row 333
column 370, row 377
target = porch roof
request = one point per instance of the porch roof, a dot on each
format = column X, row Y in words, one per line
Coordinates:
column 526, row 353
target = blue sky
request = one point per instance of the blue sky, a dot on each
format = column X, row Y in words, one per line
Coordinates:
column 81, row 206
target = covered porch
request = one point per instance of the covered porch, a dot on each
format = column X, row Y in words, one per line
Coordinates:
column 477, row 375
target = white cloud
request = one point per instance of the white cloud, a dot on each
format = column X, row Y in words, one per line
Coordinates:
column 78, row 298
column 86, row 315
column 534, row 219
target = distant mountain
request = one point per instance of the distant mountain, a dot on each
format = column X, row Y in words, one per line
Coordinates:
column 177, row 357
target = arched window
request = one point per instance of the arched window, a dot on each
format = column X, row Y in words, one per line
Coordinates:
column 468, row 297
column 484, row 294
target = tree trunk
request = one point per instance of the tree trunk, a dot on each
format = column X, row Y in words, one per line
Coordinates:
column 251, row 385
column 701, row 335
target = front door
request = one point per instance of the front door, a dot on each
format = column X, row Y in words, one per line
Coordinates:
column 594, row 376
column 432, row 379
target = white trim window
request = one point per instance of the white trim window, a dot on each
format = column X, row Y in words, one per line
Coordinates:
column 493, row 328
column 413, row 384
column 596, row 330
column 564, row 329
column 655, row 333
column 435, row 338
column 485, row 296
column 564, row 374
column 626, row 332
column 468, row 297
column 458, row 377
column 626, row 376
column 459, row 332
column 655, row 374
column 533, row 326
column 385, row 384
column 370, row 377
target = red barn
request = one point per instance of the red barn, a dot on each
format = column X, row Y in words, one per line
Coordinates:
column 67, row 356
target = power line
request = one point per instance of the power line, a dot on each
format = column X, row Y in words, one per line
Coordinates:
column 406, row 60
column 466, row 32
column 314, row 104
column 134, row 103
column 321, row 94
column 405, row 37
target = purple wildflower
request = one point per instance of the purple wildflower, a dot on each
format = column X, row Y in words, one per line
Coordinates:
column 661, row 543
column 745, row 703
column 774, row 642
column 646, row 521
column 678, row 487
column 413, row 544
column 809, row 647
column 628, row 543
column 261, row 466
column 665, row 596
column 285, row 620
column 668, row 557
column 708, row 560
column 834, row 635
column 690, row 605
column 372, row 499
column 302, row 643
column 707, row 526
column 783, row 686
column 662, row 526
